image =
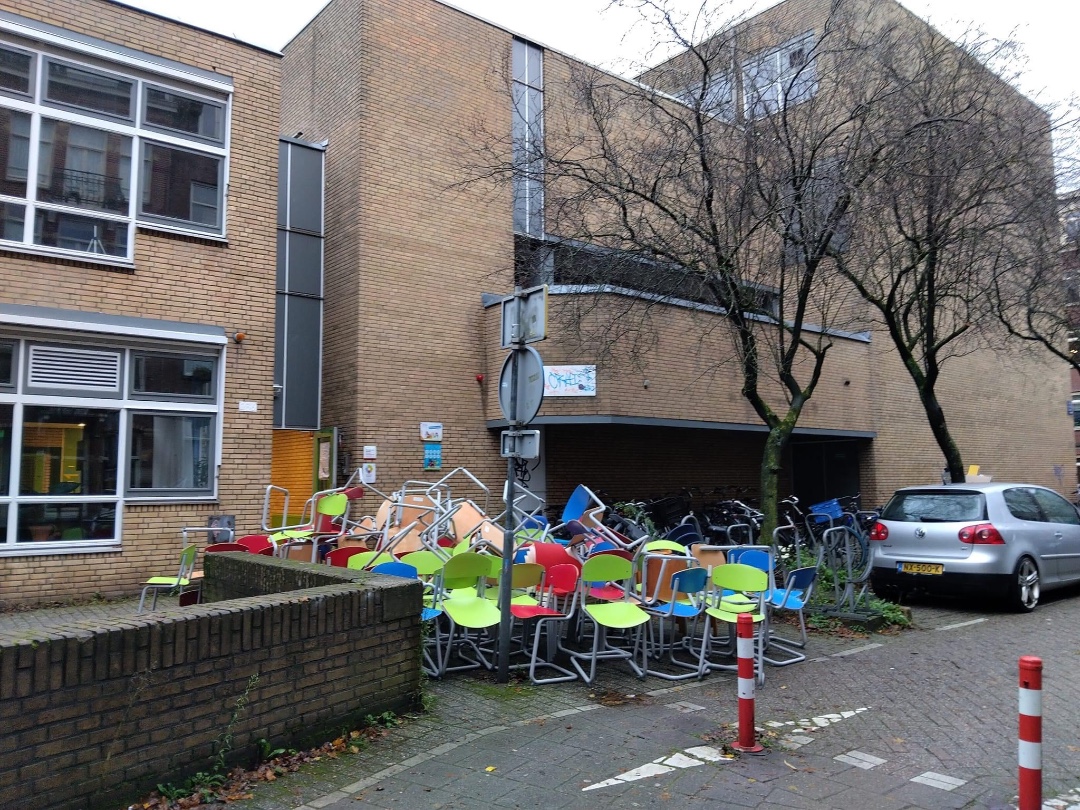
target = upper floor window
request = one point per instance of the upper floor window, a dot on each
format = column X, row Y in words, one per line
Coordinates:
column 716, row 99
column 88, row 153
column 528, row 137
column 779, row 78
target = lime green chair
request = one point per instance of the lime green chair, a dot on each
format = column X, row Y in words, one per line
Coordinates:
column 179, row 582
column 327, row 509
column 624, row 615
column 369, row 559
column 737, row 589
column 460, row 595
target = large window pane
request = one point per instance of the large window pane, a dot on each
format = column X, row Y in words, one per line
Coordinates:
column 173, row 374
column 181, row 185
column 88, row 89
column 184, row 114
column 170, row 452
column 69, row 451
column 84, row 167
column 15, row 71
column 12, row 218
column 73, row 232
column 5, row 452
column 14, row 152
column 66, row 520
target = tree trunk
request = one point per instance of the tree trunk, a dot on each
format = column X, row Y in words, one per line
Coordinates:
column 936, row 418
column 771, row 465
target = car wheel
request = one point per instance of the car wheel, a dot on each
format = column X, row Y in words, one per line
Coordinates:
column 1024, row 590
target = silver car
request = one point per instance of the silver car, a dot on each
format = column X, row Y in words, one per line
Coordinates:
column 1012, row 540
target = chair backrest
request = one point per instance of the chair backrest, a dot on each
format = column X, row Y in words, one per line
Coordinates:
column 606, row 567
column 256, row 543
column 665, row 545
column 366, row 559
column 576, row 504
column 333, row 505
column 740, row 577
column 395, row 569
column 708, row 556
column 340, row 557
column 526, row 575
column 561, row 581
column 801, row 579
column 187, row 562
column 685, row 534
column 217, row 548
column 466, row 519
column 466, row 569
column 757, row 558
column 688, row 583
column 656, row 571
column 550, row 555
column 426, row 563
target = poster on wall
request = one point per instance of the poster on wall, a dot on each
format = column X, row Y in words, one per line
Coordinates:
column 324, row 460
column 432, row 456
column 569, row 381
column 431, row 431
column 368, row 473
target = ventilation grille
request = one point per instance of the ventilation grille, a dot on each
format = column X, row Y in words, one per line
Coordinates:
column 82, row 369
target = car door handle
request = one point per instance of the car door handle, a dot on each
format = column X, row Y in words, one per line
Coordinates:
column 1058, row 535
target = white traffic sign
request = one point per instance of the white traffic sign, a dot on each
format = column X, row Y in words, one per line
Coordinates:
column 520, row 406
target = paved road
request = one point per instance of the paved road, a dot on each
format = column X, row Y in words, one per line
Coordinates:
column 930, row 714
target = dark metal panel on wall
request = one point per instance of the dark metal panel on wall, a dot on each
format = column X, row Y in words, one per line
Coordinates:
column 299, row 318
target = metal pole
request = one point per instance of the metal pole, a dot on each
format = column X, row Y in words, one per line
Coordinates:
column 505, row 618
column 1030, row 747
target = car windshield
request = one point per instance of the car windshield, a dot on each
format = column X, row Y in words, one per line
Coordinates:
column 916, row 506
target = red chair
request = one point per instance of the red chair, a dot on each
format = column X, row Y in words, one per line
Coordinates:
column 257, row 544
column 217, row 548
column 340, row 556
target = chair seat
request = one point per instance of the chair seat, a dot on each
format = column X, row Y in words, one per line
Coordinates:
column 794, row 600
column 473, row 612
column 610, row 593
column 733, row 617
column 680, row 610
column 427, row 614
column 619, row 615
column 170, row 581
column 532, row 611
column 292, row 534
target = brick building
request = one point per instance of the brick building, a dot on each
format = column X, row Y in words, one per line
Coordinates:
column 405, row 91
column 138, row 214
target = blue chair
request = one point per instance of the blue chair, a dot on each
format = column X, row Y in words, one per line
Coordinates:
column 427, row 614
column 793, row 597
column 687, row 588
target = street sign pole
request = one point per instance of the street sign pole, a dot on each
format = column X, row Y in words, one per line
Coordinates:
column 505, row 590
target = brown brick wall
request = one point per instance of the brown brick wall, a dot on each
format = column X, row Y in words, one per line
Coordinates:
column 406, row 91
column 180, row 279
column 94, row 717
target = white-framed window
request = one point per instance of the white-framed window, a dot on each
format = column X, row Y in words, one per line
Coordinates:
column 86, row 427
column 779, row 78
column 717, row 99
column 112, row 148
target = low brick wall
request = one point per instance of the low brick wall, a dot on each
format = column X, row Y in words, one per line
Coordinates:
column 95, row 715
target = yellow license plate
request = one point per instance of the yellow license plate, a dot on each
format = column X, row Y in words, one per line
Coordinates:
column 920, row 568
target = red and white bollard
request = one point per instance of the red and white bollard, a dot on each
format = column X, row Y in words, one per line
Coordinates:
column 744, row 649
column 1030, row 750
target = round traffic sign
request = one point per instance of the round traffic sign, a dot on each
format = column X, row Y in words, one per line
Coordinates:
column 521, row 405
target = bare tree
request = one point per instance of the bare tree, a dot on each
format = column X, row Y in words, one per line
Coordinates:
column 955, row 207
column 724, row 178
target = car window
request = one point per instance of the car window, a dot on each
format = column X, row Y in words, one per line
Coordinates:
column 1056, row 508
column 1022, row 504
column 916, row 506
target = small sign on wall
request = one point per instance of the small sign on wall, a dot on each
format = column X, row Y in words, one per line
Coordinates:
column 432, row 456
column 431, row 431
column 569, row 381
column 368, row 473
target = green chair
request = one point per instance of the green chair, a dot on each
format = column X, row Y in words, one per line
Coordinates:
column 179, row 582
column 737, row 589
column 327, row 509
column 622, row 615
column 460, row 595
column 369, row 559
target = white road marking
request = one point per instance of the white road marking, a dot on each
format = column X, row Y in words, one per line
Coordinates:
column 961, row 624
column 1066, row 801
column 939, row 780
column 860, row 760
column 700, row 754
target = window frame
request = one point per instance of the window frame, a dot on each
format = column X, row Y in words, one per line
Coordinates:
column 782, row 85
column 19, row 396
column 157, row 396
column 142, row 74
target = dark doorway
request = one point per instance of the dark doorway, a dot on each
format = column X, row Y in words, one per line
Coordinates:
column 824, row 469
